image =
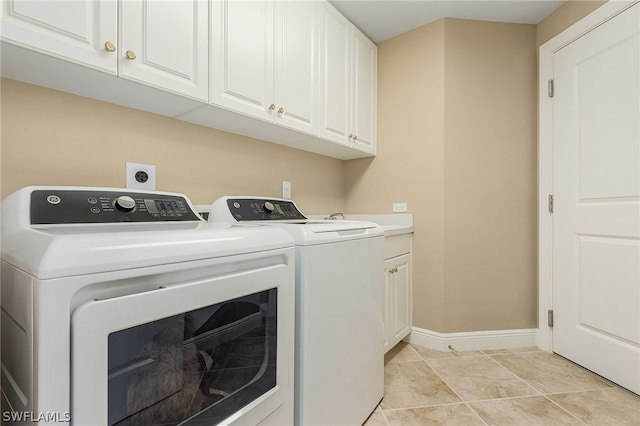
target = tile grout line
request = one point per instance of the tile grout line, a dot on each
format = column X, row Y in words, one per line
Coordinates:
column 564, row 409
column 505, row 398
column 589, row 390
column 392, row 361
column 415, row 407
column 484, row 351
column 465, row 402
column 572, row 366
column 454, row 391
column 609, row 386
column 542, row 392
column 546, row 394
column 442, row 378
column 386, row 421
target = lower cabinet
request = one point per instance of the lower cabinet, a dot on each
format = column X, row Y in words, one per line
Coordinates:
column 398, row 300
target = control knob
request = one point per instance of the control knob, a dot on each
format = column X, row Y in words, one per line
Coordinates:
column 269, row 207
column 124, row 203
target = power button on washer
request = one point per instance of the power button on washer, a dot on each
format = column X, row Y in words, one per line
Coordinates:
column 53, row 199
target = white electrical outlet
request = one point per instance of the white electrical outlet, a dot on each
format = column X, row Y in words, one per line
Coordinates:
column 141, row 176
column 399, row 207
column 286, row 189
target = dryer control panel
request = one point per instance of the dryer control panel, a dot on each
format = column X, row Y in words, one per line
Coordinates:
column 75, row 206
column 250, row 209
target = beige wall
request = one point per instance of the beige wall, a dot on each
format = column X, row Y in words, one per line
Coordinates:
column 54, row 138
column 410, row 162
column 456, row 129
column 565, row 16
column 490, row 176
column 457, row 138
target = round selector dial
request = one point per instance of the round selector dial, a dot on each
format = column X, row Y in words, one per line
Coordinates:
column 269, row 207
column 124, row 203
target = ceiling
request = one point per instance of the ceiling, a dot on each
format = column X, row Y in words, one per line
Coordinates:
column 383, row 19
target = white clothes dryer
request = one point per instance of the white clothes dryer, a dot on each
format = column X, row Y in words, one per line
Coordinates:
column 339, row 373
column 124, row 307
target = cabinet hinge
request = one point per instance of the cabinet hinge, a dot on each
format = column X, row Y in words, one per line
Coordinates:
column 550, row 88
column 550, row 317
column 550, row 203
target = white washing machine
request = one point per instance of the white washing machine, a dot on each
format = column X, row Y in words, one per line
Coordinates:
column 339, row 303
column 126, row 308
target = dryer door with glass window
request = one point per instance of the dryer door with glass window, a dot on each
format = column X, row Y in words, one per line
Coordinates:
column 195, row 352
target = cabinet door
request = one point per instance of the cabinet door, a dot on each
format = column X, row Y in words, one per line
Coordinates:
column 335, row 76
column 398, row 310
column 295, row 89
column 165, row 44
column 401, row 288
column 72, row 30
column 242, row 56
column 364, row 90
column 389, row 302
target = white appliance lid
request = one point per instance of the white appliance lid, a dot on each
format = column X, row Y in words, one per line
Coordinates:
column 314, row 233
column 61, row 250
column 285, row 214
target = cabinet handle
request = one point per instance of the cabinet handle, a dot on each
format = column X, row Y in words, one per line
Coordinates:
column 130, row 55
column 272, row 107
column 281, row 110
column 350, row 135
column 355, row 137
column 393, row 270
column 109, row 47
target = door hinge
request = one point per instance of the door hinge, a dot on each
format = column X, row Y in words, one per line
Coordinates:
column 550, row 88
column 550, row 317
column 550, row 203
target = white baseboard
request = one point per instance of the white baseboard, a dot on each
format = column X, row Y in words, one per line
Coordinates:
column 473, row 340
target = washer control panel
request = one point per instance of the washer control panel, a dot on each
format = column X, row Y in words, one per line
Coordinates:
column 247, row 209
column 67, row 206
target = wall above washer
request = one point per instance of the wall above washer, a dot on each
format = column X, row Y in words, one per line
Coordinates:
column 55, row 138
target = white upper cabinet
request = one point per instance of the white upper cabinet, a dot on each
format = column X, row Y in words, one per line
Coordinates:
column 85, row 32
column 165, row 44
column 241, row 63
column 348, row 75
column 335, row 73
column 296, row 52
column 263, row 60
column 364, row 90
column 293, row 72
column 158, row 43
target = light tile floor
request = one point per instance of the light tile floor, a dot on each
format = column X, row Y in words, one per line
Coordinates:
column 524, row 386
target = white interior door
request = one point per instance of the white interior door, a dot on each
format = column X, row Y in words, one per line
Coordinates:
column 596, row 185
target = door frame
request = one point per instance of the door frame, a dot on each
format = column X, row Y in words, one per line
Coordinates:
column 545, row 156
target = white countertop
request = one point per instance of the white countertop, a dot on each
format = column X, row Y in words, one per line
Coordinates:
column 393, row 224
column 390, row 230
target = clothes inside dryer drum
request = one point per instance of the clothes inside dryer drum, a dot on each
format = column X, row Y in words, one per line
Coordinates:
column 165, row 372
